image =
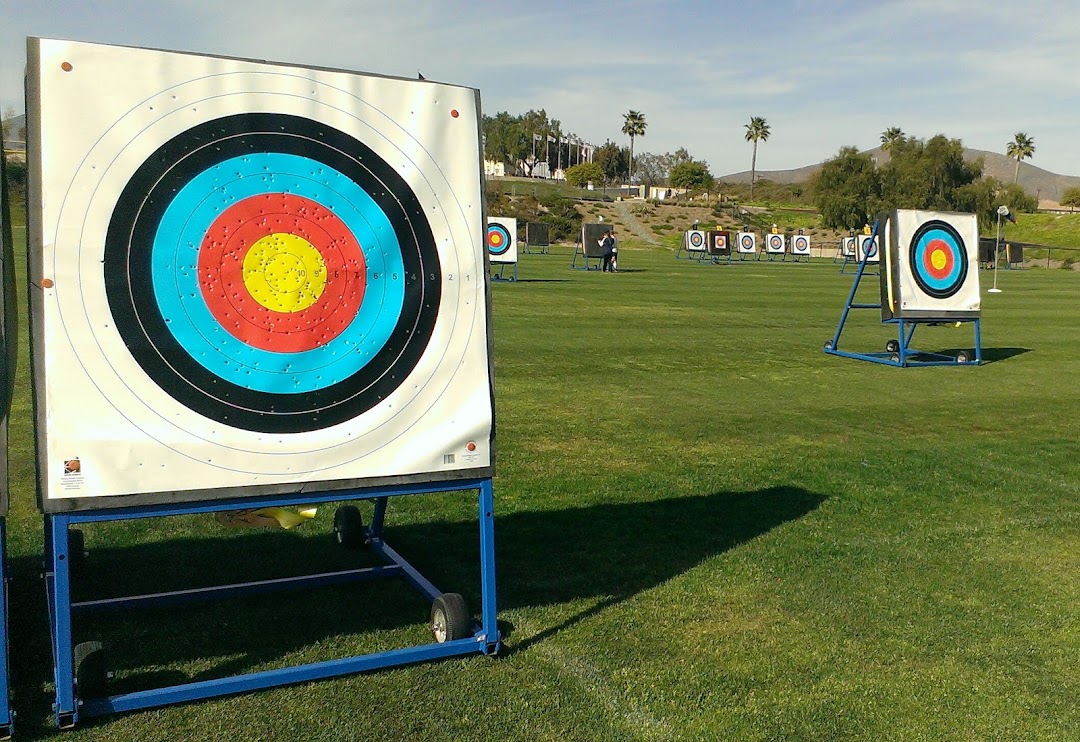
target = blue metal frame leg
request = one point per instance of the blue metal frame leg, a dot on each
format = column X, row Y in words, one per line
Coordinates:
column 7, row 717
column 69, row 706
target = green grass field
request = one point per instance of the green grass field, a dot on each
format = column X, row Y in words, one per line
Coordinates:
column 706, row 529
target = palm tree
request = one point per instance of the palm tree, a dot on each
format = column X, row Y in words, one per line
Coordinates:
column 633, row 126
column 1021, row 147
column 890, row 137
column 756, row 130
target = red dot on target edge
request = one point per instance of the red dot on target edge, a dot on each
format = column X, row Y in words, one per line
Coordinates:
column 470, row 446
column 454, row 113
column 66, row 66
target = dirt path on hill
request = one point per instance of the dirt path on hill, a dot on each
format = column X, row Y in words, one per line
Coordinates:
column 634, row 224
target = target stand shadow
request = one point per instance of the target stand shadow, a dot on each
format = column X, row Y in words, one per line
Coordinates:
column 929, row 278
column 252, row 307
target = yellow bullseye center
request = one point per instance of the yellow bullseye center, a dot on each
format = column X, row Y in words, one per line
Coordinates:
column 938, row 259
column 284, row 272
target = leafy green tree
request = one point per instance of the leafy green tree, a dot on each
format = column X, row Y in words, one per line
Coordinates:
column 847, row 190
column 652, row 170
column 757, row 130
column 579, row 176
column 1022, row 147
column 891, row 136
column 613, row 160
column 1071, row 197
column 926, row 175
column 633, row 126
column 693, row 176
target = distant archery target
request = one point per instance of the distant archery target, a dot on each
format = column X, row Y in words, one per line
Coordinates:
column 747, row 242
column 866, row 245
column 847, row 247
column 695, row 240
column 287, row 305
column 498, row 239
column 800, row 244
column 774, row 243
column 501, row 239
column 939, row 259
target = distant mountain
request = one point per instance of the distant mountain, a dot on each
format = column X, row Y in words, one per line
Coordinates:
column 1036, row 181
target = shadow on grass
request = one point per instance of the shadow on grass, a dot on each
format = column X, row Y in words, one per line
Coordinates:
column 993, row 355
column 612, row 551
column 542, row 280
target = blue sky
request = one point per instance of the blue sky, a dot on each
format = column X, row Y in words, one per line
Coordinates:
column 824, row 74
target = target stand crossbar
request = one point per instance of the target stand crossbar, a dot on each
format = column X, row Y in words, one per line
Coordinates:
column 899, row 352
column 483, row 638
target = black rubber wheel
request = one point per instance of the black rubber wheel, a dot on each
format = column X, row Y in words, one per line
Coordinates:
column 76, row 549
column 450, row 618
column 91, row 675
column 828, row 345
column 963, row 357
column 893, row 346
column 349, row 527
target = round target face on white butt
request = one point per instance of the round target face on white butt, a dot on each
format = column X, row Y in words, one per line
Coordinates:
column 253, row 276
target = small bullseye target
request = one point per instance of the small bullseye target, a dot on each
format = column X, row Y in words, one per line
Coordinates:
column 501, row 238
column 747, row 242
column 800, row 244
column 867, row 246
column 774, row 243
column 938, row 259
column 695, row 240
column 498, row 239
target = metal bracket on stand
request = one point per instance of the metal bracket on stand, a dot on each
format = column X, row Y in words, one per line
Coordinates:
column 477, row 638
column 899, row 352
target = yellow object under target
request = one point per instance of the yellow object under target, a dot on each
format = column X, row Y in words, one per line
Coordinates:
column 284, row 272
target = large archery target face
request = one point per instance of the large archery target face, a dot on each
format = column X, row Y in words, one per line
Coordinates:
column 774, row 243
column 867, row 245
column 800, row 244
column 747, row 242
column 718, row 243
column 501, row 239
column 261, row 274
column 936, row 262
column 695, row 240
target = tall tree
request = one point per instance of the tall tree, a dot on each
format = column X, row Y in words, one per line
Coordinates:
column 613, row 160
column 1021, row 147
column 1071, row 198
column 756, row 131
column 693, row 176
column 847, row 190
column 890, row 137
column 633, row 126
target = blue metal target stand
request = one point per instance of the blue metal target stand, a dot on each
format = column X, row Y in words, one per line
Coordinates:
column 80, row 669
column 898, row 351
column 499, row 272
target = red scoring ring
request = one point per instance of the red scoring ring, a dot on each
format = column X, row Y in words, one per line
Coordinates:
column 928, row 254
column 221, row 263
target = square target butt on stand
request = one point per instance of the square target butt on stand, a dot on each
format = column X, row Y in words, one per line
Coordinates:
column 250, row 277
column 253, row 285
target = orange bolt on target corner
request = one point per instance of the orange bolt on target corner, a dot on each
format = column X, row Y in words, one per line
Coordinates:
column 46, row 283
column 66, row 66
column 470, row 446
column 454, row 113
